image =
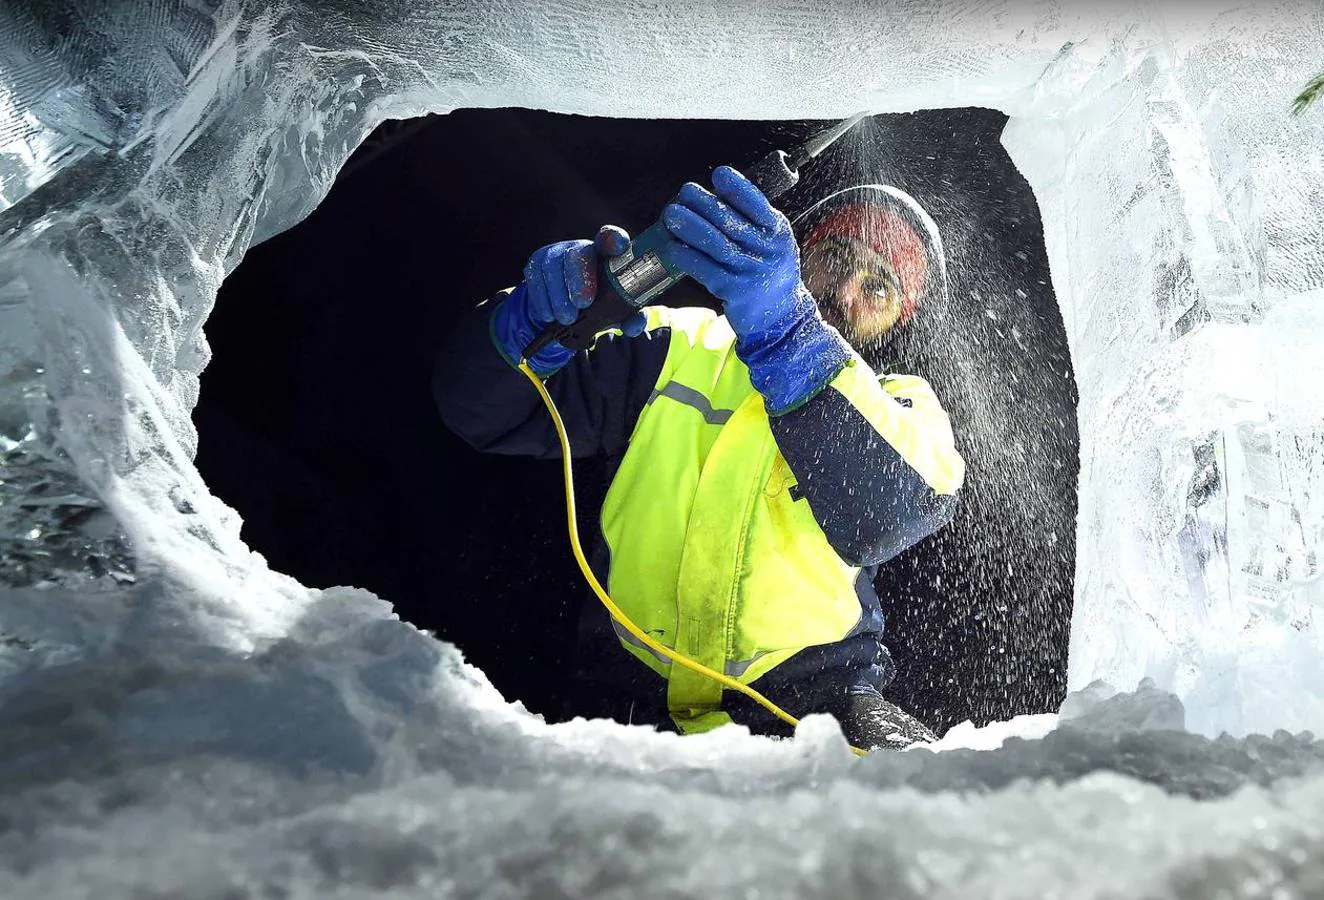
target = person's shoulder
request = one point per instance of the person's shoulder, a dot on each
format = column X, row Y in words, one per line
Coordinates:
column 900, row 381
column 694, row 316
column 910, row 388
column 699, row 324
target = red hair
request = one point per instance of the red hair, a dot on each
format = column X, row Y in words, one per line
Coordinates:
column 890, row 235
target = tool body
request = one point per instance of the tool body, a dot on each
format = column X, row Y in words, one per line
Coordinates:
column 641, row 274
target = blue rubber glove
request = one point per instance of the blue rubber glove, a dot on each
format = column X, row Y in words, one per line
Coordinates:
column 559, row 280
column 743, row 251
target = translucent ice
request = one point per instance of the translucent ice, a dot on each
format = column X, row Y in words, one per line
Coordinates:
column 167, row 698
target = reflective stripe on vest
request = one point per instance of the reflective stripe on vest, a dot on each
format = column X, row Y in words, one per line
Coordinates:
column 690, row 397
column 733, row 668
column 710, row 552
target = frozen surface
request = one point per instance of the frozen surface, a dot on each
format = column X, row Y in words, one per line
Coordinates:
column 359, row 755
column 176, row 719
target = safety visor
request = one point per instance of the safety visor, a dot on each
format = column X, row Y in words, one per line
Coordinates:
column 892, row 223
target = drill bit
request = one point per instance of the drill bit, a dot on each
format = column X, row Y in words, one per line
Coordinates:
column 811, row 148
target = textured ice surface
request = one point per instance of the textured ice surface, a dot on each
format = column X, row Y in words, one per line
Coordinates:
column 176, row 719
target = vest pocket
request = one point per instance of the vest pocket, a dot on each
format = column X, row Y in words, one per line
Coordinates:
column 781, row 480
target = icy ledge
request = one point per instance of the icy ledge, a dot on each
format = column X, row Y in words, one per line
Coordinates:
column 359, row 755
column 177, row 719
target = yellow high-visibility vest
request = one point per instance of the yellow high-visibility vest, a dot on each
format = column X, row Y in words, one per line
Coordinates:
column 710, row 552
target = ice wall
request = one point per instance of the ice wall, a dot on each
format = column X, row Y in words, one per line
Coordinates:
column 1181, row 211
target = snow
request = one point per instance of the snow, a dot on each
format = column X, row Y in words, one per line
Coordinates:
column 178, row 720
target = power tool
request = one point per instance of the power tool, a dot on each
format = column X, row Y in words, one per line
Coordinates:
column 640, row 274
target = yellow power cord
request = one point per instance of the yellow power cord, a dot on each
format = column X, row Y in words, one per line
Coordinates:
column 616, row 612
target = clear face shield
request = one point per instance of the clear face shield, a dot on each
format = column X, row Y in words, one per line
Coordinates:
column 872, row 257
column 858, row 290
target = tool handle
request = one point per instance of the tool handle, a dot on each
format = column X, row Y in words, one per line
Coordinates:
column 772, row 175
column 625, row 283
column 609, row 308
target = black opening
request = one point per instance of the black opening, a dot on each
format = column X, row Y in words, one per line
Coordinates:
column 317, row 425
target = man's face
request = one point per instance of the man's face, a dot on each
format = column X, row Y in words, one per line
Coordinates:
column 858, row 293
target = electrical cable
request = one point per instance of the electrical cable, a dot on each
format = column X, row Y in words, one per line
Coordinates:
column 616, row 612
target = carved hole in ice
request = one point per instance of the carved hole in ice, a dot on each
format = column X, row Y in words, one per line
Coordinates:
column 341, row 472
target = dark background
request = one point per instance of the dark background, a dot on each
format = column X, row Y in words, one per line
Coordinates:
column 316, row 422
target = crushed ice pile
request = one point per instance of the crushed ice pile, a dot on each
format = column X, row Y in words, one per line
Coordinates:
column 178, row 720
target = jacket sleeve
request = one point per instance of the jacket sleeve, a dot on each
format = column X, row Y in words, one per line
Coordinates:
column 875, row 460
column 495, row 409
